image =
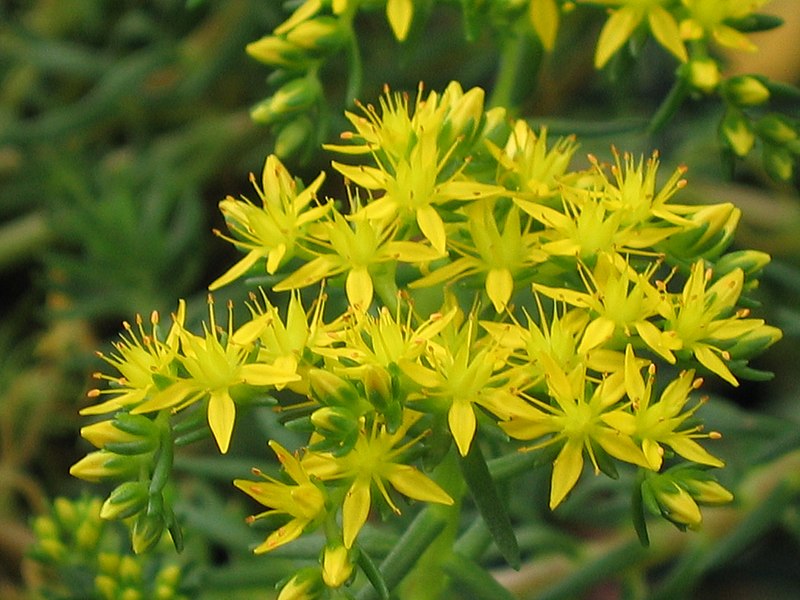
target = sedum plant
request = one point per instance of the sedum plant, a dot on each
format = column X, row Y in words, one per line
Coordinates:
column 467, row 304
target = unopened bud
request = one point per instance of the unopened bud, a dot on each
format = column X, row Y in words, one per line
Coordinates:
column 305, row 585
column 336, row 566
column 294, row 96
column 736, row 133
column 704, row 74
column 323, row 34
column 125, row 501
column 276, row 51
column 331, row 390
column 745, row 90
column 776, row 128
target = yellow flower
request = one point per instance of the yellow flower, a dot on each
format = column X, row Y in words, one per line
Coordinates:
column 142, row 360
column 489, row 254
column 373, row 459
column 704, row 319
column 624, row 20
column 303, row 501
column 460, row 377
column 710, row 17
column 656, row 422
column 214, row 366
column 269, row 232
column 574, row 419
column 285, row 342
column 621, row 300
column 528, row 167
column 355, row 248
column 414, row 172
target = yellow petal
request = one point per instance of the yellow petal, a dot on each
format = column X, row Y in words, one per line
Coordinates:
column 399, row 14
column 237, row 270
column 713, row 363
column 544, row 15
column 567, row 469
column 283, row 535
column 598, row 332
column 499, row 287
column 359, row 288
column 409, row 481
column 432, row 227
column 263, row 374
column 221, row 415
column 462, row 422
column 367, row 177
column 615, row 32
column 665, row 29
column 355, row 510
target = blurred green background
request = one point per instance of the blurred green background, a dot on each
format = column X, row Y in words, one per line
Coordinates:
column 123, row 123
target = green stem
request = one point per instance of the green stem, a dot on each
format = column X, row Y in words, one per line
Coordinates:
column 505, row 85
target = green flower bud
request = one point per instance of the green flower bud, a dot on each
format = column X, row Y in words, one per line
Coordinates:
column 331, row 390
column 778, row 162
column 106, row 586
column 103, row 464
column 320, row 35
column 108, row 562
column 334, row 420
column 745, row 90
column 708, row 491
column 147, row 532
column 125, row 501
column 66, row 513
column 704, row 74
column 751, row 262
column 306, row 584
column 754, row 342
column 87, row 535
column 678, row 506
column 776, row 128
column 736, row 133
column 293, row 136
column 276, row 51
column 130, row 571
column 294, row 96
column 50, row 550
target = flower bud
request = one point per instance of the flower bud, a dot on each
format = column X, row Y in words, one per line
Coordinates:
column 147, row 532
column 294, row 96
column 321, row 35
column 708, row 491
column 125, row 501
column 754, row 342
column 678, row 506
column 336, row 566
column 778, row 162
column 331, row 390
column 745, row 90
column 736, row 133
column 141, row 437
column 276, row 51
column 334, row 421
column 106, row 585
column 776, row 128
column 466, row 111
column 751, row 262
column 293, row 136
column 704, row 74
column 103, row 464
column 306, row 584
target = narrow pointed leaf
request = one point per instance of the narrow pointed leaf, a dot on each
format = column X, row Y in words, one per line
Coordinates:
column 484, row 493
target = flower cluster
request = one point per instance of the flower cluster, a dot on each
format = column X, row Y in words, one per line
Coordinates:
column 476, row 287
